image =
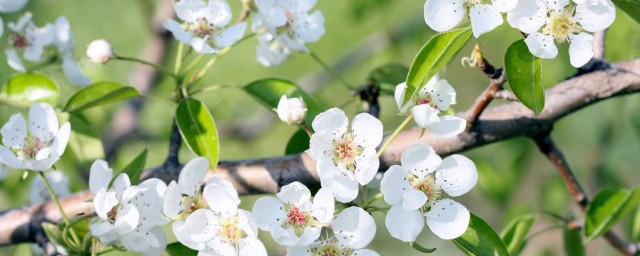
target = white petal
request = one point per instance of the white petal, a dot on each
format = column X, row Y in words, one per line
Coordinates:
column 528, row 16
column 272, row 53
column 9, row 6
column 367, row 165
column 456, row 175
column 200, row 45
column 192, row 175
column 333, row 120
column 103, row 202
column 420, row 160
column 448, row 219
column 172, row 200
column 443, row 95
column 321, row 145
column 43, row 123
column 424, row 115
column 14, row 60
column 8, row 158
column 59, row 142
column 399, row 97
column 294, row 193
column 196, row 229
column 557, row 5
column 220, row 201
column 367, row 130
column 178, row 31
column 443, row 15
column 267, row 212
column 190, row 10
column 251, row 246
column 299, row 251
column 404, row 225
column 354, row 228
column 394, row 184
column 73, row 72
column 309, row 235
column 100, row 228
column 120, row 184
column 448, row 126
column 504, row 5
column 127, row 219
column 247, row 224
column 219, row 12
column 326, row 169
column 343, row 187
column 14, row 132
column 231, row 35
column 596, row 17
column 484, row 18
column 541, row 45
column 222, row 183
column 99, row 176
column 365, row 252
column 309, row 28
column 413, row 200
column 323, row 206
column 580, row 49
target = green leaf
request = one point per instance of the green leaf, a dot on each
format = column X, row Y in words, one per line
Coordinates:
column 269, row 91
column 389, row 76
column 97, row 94
column 53, row 232
column 84, row 142
column 607, row 208
column 298, row 143
column 515, row 234
column 631, row 7
column 433, row 56
column 635, row 227
column 480, row 239
column 135, row 168
column 421, row 248
column 178, row 249
column 524, row 74
column 573, row 245
column 198, row 130
column 23, row 89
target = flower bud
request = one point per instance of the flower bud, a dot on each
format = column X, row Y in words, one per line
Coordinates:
column 291, row 111
column 99, row 51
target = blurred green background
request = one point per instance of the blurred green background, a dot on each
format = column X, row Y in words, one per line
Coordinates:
column 600, row 142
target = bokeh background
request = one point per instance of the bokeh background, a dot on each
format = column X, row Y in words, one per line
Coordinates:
column 601, row 142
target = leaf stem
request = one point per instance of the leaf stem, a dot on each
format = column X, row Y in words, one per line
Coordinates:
column 144, row 62
column 179, row 57
column 57, row 202
column 394, row 135
column 331, row 71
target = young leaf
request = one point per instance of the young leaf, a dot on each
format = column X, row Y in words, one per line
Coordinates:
column 607, row 208
column 480, row 239
column 631, row 7
column 515, row 234
column 269, row 91
column 433, row 56
column 135, row 168
column 573, row 245
column 298, row 143
column 198, row 130
column 524, row 74
column 23, row 89
column 178, row 249
column 97, row 94
column 635, row 227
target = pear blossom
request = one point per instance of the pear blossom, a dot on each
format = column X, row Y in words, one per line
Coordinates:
column 293, row 218
column 291, row 111
column 9, row 6
column 435, row 97
column 353, row 229
column 443, row 15
column 127, row 214
column 419, row 188
column 204, row 25
column 26, row 38
column 64, row 42
column 285, row 26
column 345, row 157
column 38, row 193
column 36, row 146
column 99, row 51
column 546, row 21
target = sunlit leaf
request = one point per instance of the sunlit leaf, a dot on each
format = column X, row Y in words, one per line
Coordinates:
column 23, row 89
column 198, row 130
column 524, row 74
column 480, row 239
column 515, row 234
column 178, row 249
column 433, row 56
column 269, row 91
column 631, row 7
column 607, row 208
column 98, row 94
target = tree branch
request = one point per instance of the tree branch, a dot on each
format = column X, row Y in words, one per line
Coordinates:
column 267, row 175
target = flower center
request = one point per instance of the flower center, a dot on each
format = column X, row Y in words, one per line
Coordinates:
column 426, row 100
column 191, row 204
column 561, row 24
column 471, row 3
column 297, row 217
column 111, row 215
column 345, row 151
column 20, row 41
column 229, row 230
column 202, row 27
column 329, row 248
column 32, row 147
column 428, row 187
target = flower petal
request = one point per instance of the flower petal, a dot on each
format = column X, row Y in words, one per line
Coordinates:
column 43, row 123
column 321, row 145
column 367, row 165
column 404, row 225
column 484, row 18
column 201, row 46
column 309, row 28
column 333, row 120
column 267, row 212
column 597, row 16
column 231, row 35
column 59, row 143
column 220, row 200
column 103, row 202
column 354, row 228
column 72, row 71
column 413, row 200
column 527, row 16
column 196, row 229
column 367, row 130
column 365, row 252
column 448, row 219
column 323, row 206
column 251, row 246
column 178, row 31
column 99, row 176
column 295, row 193
column 8, row 158
column 14, row 60
column 448, row 126
column 420, row 160
column 343, row 187
column 399, row 97
column 456, row 175
column 504, row 5
column 424, row 115
column 172, row 200
column 219, row 12
column 394, row 184
column 189, row 10
column 127, row 219
column 14, row 132
column 192, row 175
column 580, row 49
column 541, row 45
column 9, row 6
column 443, row 95
column 443, row 15
column 120, row 184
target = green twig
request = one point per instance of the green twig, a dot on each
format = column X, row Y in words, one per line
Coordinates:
column 394, row 135
column 144, row 62
column 57, row 202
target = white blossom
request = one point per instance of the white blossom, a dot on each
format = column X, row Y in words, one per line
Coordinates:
column 353, row 229
column 345, row 157
column 29, row 40
column 64, row 41
column 204, row 25
column 293, row 218
column 99, row 51
column 547, row 22
column 38, row 193
column 35, row 145
column 434, row 98
column 285, row 26
column 443, row 15
column 291, row 111
column 9, row 6
column 419, row 188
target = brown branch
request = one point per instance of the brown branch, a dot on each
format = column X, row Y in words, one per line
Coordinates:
column 497, row 79
column 549, row 149
column 267, row 175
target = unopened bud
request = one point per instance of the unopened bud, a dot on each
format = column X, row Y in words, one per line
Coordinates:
column 99, row 51
column 291, row 111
